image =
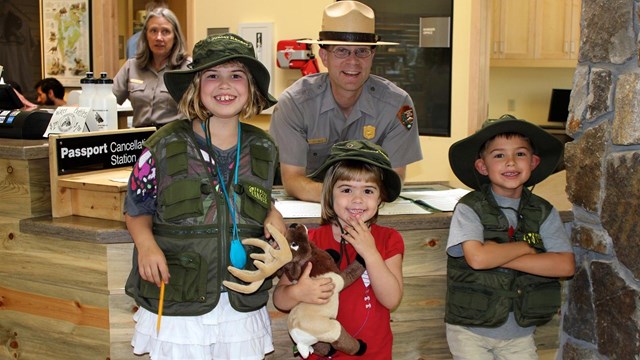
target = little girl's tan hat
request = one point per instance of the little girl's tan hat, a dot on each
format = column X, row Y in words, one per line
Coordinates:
column 348, row 23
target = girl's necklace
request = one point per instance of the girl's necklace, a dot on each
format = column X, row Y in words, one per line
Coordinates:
column 237, row 253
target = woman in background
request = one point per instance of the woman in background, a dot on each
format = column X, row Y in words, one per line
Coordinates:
column 161, row 48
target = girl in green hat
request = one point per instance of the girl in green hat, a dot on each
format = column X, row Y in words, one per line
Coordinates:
column 358, row 179
column 200, row 186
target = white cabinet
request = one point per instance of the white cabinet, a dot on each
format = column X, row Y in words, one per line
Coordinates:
column 535, row 33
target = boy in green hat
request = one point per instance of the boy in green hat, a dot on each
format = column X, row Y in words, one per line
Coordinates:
column 507, row 247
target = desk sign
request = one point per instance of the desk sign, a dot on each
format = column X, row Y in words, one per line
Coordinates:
column 98, row 151
column 68, row 119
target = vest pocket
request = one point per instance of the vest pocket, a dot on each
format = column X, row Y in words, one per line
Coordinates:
column 181, row 200
column 256, row 200
column 538, row 300
column 188, row 281
column 177, row 159
column 471, row 305
column 261, row 161
column 252, row 302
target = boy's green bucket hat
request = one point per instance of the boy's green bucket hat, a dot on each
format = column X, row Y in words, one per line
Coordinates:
column 216, row 50
column 464, row 153
column 368, row 152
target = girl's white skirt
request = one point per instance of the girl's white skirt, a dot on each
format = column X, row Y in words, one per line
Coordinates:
column 223, row 333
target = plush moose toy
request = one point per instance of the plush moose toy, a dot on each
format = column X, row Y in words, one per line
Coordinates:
column 313, row 327
column 312, row 323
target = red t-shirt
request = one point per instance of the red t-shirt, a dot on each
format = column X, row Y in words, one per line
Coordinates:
column 360, row 313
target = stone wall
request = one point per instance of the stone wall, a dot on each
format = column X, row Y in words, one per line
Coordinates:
column 601, row 318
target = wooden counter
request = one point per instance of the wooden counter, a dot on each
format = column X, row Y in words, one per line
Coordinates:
column 417, row 324
column 61, row 289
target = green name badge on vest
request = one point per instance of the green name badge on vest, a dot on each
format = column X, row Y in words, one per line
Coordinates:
column 256, row 201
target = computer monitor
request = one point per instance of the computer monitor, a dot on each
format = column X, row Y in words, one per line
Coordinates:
column 559, row 106
column 9, row 100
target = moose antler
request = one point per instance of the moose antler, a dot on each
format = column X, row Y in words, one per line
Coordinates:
column 267, row 263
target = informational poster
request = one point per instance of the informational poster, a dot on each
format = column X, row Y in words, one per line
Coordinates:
column 66, row 40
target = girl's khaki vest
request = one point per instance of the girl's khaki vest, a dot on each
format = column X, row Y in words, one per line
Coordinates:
column 193, row 225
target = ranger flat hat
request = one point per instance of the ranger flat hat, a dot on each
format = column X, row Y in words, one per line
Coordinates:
column 464, row 153
column 348, row 23
column 215, row 50
column 367, row 152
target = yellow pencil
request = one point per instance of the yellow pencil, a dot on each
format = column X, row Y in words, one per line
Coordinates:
column 160, row 304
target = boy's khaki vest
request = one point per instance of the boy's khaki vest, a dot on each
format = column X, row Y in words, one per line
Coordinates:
column 484, row 298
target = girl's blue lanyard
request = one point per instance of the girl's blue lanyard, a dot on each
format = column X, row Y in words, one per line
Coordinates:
column 237, row 254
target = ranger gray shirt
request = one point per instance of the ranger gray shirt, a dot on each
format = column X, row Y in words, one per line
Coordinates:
column 151, row 102
column 306, row 122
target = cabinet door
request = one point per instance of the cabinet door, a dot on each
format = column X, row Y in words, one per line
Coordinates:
column 576, row 15
column 557, row 29
column 513, row 29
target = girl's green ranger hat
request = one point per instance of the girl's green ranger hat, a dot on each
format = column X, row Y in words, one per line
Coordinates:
column 215, row 50
column 367, row 152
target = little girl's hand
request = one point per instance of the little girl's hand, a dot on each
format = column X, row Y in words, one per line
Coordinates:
column 358, row 234
column 314, row 290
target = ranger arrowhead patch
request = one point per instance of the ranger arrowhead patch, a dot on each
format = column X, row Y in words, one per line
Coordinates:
column 405, row 115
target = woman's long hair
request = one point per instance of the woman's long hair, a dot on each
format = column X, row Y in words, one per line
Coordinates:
column 178, row 52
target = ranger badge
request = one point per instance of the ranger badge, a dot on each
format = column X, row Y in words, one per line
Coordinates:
column 369, row 132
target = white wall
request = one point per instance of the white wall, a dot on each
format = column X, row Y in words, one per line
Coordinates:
column 291, row 20
column 529, row 88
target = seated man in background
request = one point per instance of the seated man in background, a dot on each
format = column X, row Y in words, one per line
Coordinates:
column 345, row 103
column 50, row 92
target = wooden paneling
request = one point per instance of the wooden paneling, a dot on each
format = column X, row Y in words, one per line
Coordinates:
column 63, row 299
column 104, row 25
column 66, row 299
column 424, row 253
column 24, row 185
column 29, row 337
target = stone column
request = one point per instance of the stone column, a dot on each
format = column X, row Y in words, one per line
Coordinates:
column 601, row 317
